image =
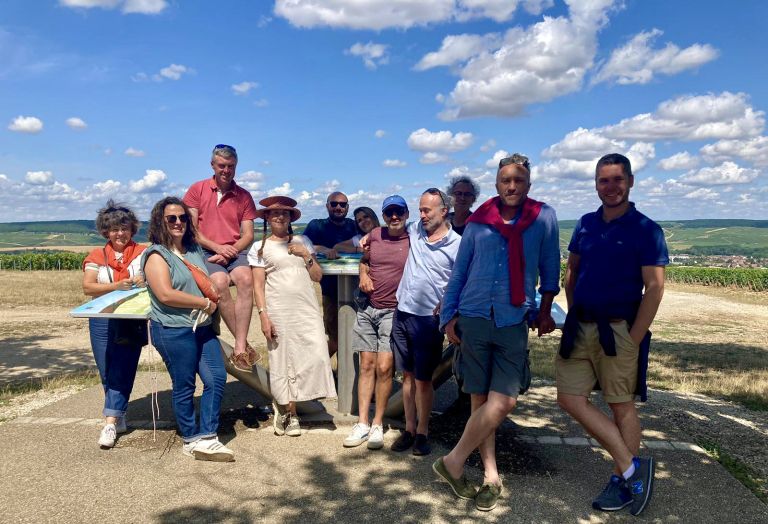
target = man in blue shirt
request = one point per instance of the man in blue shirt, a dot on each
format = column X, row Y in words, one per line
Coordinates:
column 324, row 234
column 510, row 242
column 615, row 253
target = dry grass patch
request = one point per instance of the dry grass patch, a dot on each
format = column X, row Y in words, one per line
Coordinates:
column 41, row 288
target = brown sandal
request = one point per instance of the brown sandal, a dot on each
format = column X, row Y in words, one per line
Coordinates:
column 240, row 362
column 253, row 355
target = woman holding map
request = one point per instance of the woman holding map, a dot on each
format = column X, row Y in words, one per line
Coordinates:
column 180, row 328
column 284, row 269
column 105, row 269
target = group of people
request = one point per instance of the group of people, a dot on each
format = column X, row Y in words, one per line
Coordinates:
column 472, row 277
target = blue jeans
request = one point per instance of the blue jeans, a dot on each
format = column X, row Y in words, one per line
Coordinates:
column 187, row 354
column 117, row 366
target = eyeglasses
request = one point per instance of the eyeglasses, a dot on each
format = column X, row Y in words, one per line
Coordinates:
column 465, row 194
column 435, row 191
column 171, row 219
column 395, row 210
column 224, row 146
column 517, row 159
column 338, row 204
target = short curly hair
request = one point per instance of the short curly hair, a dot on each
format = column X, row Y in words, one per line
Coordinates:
column 114, row 215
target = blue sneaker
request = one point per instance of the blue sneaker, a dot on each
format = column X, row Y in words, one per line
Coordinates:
column 615, row 496
column 640, row 484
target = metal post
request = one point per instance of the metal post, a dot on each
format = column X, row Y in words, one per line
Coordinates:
column 346, row 363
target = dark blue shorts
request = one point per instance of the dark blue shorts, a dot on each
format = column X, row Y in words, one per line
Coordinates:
column 240, row 260
column 417, row 344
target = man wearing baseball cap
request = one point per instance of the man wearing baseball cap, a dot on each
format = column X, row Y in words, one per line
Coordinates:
column 380, row 272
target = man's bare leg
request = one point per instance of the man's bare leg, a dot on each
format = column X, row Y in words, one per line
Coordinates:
column 424, row 397
column 627, row 420
column 243, row 307
column 409, row 402
column 365, row 384
column 385, row 363
column 226, row 305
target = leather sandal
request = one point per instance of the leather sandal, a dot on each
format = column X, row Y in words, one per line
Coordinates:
column 240, row 362
column 253, row 355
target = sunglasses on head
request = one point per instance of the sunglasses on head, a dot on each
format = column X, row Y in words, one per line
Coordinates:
column 394, row 210
column 338, row 204
column 435, row 191
column 517, row 159
column 171, row 219
column 224, row 146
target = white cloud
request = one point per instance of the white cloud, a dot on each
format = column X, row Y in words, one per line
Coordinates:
column 434, row 158
column 373, row 55
column 380, row 133
column 284, row 189
column 493, row 162
column 149, row 183
column 173, row 71
column 753, row 150
column 364, row 14
column 39, row 178
column 243, row 88
column 393, row 162
column 490, row 144
column 425, row 140
column 702, row 193
column 26, row 124
column 251, row 180
column 498, row 10
column 135, row 153
column 146, row 7
column 458, row 48
column 682, row 160
column 261, row 102
column 532, row 65
column 637, row 63
column 107, row 187
column 724, row 174
column 583, row 144
column 691, row 117
column 76, row 123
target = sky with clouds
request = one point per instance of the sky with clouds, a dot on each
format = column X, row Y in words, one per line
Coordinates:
column 126, row 98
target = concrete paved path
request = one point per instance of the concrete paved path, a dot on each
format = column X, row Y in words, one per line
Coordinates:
column 53, row 471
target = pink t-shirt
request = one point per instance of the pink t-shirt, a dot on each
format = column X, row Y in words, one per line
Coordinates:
column 218, row 220
column 387, row 260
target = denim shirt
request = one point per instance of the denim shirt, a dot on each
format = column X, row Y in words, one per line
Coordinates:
column 479, row 285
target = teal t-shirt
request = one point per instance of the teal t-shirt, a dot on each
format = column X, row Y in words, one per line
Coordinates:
column 181, row 280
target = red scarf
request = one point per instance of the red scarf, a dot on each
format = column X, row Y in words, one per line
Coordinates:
column 119, row 267
column 490, row 214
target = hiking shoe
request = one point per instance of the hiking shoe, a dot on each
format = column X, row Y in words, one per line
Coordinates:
column 293, row 428
column 108, row 436
column 279, row 420
column 421, row 445
column 615, row 496
column 487, row 496
column 121, row 426
column 188, row 448
column 403, row 442
column 213, row 450
column 460, row 486
column 640, row 484
column 376, row 437
column 358, row 435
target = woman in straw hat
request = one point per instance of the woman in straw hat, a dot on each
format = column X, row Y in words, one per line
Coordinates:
column 284, row 267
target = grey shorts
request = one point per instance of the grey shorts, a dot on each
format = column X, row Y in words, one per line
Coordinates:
column 372, row 330
column 240, row 260
column 493, row 358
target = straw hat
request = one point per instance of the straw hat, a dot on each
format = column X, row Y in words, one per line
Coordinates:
column 278, row 202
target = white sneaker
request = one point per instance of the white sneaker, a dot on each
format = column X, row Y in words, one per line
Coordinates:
column 376, row 437
column 121, row 426
column 293, row 428
column 358, row 435
column 108, row 436
column 213, row 450
column 188, row 448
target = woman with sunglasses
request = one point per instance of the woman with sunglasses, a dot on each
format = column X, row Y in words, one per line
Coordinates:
column 114, row 266
column 180, row 328
column 284, row 269
column 366, row 221
column 464, row 191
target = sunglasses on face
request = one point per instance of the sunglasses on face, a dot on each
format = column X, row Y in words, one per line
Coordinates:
column 338, row 204
column 171, row 219
column 519, row 160
column 395, row 210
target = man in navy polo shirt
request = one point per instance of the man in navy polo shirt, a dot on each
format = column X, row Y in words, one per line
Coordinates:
column 615, row 253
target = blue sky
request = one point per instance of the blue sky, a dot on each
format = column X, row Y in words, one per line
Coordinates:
column 126, row 98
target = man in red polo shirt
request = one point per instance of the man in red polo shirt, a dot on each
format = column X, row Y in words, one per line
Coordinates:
column 223, row 214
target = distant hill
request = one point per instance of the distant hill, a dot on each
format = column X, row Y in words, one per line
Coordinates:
column 696, row 237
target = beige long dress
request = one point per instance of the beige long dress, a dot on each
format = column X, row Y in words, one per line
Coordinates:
column 299, row 366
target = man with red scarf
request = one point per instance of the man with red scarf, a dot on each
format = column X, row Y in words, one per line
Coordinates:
column 510, row 242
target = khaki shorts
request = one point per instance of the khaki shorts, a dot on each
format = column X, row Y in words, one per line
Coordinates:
column 588, row 364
